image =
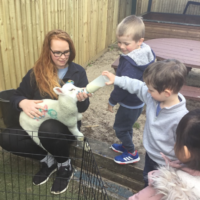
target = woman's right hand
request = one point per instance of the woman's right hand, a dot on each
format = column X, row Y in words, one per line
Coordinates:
column 31, row 108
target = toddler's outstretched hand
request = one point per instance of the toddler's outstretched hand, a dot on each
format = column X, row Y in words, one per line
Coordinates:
column 110, row 76
column 175, row 164
column 110, row 108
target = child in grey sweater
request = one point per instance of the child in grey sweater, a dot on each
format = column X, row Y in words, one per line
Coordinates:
column 165, row 107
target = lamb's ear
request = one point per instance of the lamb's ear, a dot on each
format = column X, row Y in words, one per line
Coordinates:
column 58, row 91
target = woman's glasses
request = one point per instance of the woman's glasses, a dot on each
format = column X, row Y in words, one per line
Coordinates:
column 59, row 53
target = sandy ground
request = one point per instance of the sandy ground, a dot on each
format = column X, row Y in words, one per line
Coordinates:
column 98, row 123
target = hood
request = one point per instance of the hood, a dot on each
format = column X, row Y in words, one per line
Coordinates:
column 142, row 56
column 176, row 184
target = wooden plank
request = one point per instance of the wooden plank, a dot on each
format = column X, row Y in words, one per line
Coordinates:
column 24, row 45
column 59, row 14
column 16, row 67
column 88, row 36
column 52, row 15
column 128, row 7
column 64, row 14
column 70, row 17
column 49, row 23
column 56, row 14
column 187, row 51
column 104, row 25
column 190, row 92
column 115, row 64
column 169, row 30
column 34, row 30
column 7, row 49
column 109, row 23
column 76, row 30
column 85, row 32
column 139, row 8
column 80, row 32
column 30, row 34
column 2, row 47
column 94, row 28
column 100, row 25
column 115, row 20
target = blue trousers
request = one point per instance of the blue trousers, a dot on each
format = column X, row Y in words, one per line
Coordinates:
column 123, row 126
column 149, row 166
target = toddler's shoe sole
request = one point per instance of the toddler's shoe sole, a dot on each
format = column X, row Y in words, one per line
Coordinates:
column 128, row 162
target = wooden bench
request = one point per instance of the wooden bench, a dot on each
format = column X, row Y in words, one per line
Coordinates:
column 189, row 92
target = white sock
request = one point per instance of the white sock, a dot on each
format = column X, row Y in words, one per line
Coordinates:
column 66, row 163
column 49, row 160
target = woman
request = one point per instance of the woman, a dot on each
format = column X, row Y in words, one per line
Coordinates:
column 53, row 68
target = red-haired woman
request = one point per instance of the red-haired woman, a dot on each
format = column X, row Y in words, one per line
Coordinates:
column 53, row 68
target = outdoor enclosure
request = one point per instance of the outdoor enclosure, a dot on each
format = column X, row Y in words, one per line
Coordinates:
column 24, row 23
column 16, row 174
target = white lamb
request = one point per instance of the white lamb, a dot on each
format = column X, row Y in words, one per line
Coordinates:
column 64, row 110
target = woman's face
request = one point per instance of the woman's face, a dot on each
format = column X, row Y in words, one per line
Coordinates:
column 57, row 47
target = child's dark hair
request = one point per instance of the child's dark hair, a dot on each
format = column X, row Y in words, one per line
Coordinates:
column 188, row 134
column 166, row 74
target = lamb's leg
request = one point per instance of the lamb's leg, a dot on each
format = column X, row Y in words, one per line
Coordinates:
column 74, row 130
column 79, row 116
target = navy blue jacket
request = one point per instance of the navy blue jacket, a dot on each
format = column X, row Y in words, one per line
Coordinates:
column 28, row 88
column 127, row 67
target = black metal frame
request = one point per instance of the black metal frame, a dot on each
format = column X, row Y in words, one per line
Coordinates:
column 190, row 3
column 16, row 176
column 185, row 10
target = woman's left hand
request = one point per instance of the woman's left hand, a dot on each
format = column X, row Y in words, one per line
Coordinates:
column 81, row 96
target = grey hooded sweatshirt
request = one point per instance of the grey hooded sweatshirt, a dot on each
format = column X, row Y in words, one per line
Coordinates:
column 159, row 131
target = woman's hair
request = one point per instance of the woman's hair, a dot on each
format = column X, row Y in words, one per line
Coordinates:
column 44, row 70
column 188, row 134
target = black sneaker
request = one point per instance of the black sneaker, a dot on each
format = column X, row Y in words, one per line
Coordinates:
column 63, row 177
column 44, row 174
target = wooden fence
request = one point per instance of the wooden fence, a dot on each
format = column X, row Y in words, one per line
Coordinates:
column 167, row 6
column 24, row 23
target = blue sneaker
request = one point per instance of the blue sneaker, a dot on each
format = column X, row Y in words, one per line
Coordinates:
column 118, row 148
column 127, row 158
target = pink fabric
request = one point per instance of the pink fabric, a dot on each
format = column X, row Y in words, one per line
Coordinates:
column 147, row 193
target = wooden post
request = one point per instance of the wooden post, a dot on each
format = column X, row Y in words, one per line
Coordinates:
column 149, row 6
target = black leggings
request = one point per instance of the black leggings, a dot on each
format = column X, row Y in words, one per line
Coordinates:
column 55, row 137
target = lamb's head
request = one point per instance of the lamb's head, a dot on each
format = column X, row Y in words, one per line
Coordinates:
column 68, row 90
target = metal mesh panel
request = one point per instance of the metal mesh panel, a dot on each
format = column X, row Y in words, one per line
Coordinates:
column 17, row 170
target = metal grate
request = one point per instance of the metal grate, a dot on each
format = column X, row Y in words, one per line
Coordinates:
column 16, row 174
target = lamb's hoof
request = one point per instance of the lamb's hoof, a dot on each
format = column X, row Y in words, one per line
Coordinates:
column 81, row 139
column 87, row 147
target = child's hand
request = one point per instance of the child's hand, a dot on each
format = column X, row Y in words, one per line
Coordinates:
column 175, row 164
column 110, row 76
column 110, row 108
